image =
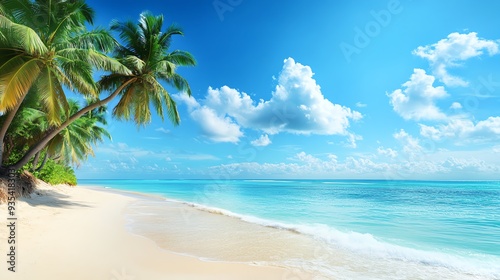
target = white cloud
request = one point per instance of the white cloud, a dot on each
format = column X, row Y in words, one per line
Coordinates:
column 215, row 126
column 262, row 141
column 453, row 50
column 464, row 130
column 122, row 145
column 351, row 140
column 360, row 105
column 430, row 132
column 387, row 152
column 297, row 106
column 417, row 99
column 456, row 106
column 306, row 158
column 161, row 129
column 496, row 148
column 439, row 165
column 411, row 145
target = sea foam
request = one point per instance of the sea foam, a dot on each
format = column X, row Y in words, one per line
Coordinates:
column 368, row 246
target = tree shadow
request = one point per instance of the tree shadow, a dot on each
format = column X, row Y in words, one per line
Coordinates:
column 52, row 198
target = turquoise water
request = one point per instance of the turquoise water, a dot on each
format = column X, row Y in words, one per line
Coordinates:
column 450, row 224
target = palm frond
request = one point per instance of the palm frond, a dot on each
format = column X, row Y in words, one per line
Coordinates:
column 122, row 110
column 53, row 97
column 20, row 11
column 181, row 58
column 177, row 81
column 16, row 78
column 165, row 98
column 104, row 62
column 76, row 14
column 166, row 38
column 128, row 32
column 79, row 76
column 173, row 114
column 20, row 37
column 133, row 63
column 145, row 53
column 98, row 39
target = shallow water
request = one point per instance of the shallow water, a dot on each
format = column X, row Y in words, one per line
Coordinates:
column 334, row 229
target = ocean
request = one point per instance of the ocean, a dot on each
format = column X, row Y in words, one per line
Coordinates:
column 332, row 229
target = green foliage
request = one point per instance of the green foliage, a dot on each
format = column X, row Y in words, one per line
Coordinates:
column 45, row 46
column 52, row 171
column 56, row 173
column 145, row 51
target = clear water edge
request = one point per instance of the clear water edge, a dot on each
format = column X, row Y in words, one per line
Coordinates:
column 452, row 226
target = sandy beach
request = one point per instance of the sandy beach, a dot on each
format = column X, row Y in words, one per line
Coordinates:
column 79, row 233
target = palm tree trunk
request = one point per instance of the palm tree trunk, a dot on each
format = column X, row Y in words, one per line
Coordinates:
column 42, row 142
column 35, row 161
column 45, row 158
column 3, row 131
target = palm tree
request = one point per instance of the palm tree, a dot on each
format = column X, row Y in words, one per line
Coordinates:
column 74, row 143
column 44, row 44
column 145, row 51
column 27, row 126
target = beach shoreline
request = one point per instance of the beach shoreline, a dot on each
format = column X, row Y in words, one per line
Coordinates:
column 80, row 233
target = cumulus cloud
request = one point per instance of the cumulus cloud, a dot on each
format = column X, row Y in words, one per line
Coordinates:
column 464, row 130
column 296, row 106
column 387, row 152
column 456, row 106
column 417, row 99
column 453, row 50
column 411, row 145
column 351, row 140
column 215, row 126
column 262, row 141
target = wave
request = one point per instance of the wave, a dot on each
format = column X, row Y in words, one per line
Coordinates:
column 369, row 246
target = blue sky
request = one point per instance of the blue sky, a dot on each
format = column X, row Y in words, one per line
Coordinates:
column 339, row 89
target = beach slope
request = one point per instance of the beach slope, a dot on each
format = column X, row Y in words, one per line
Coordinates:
column 80, row 233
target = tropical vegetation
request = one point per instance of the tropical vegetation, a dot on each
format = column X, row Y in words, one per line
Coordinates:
column 47, row 51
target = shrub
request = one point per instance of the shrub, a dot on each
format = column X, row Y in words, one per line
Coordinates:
column 56, row 173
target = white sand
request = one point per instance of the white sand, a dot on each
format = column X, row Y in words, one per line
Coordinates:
column 79, row 233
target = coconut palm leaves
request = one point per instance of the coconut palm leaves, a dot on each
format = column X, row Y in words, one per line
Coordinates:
column 146, row 53
column 139, row 67
column 47, row 41
column 74, row 143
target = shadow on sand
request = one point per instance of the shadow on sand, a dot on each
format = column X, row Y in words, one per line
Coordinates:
column 52, row 198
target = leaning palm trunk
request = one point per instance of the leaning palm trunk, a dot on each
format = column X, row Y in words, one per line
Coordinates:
column 44, row 161
column 5, row 126
column 45, row 140
column 35, row 161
